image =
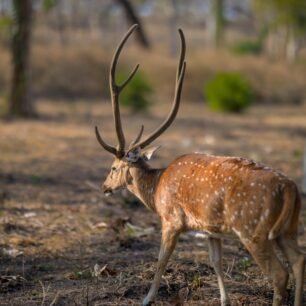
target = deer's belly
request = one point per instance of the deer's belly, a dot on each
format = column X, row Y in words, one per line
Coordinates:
column 206, row 234
column 216, row 229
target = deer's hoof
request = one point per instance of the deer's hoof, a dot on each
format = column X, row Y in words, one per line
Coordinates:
column 225, row 302
column 147, row 302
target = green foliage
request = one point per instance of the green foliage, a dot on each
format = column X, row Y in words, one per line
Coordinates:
column 3, row 106
column 137, row 93
column 196, row 281
column 49, row 4
column 228, row 92
column 6, row 22
column 289, row 13
column 247, row 47
column 254, row 46
column 245, row 263
column 79, row 275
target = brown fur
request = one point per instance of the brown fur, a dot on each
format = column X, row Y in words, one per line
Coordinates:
column 224, row 197
column 221, row 196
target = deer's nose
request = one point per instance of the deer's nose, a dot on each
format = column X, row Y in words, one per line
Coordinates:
column 107, row 190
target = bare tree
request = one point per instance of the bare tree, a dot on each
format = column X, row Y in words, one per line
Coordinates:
column 216, row 23
column 173, row 26
column 21, row 103
column 133, row 18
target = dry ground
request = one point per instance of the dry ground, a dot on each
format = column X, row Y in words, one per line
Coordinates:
column 56, row 227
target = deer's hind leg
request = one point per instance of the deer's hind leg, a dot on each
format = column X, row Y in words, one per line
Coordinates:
column 215, row 256
column 297, row 262
column 265, row 256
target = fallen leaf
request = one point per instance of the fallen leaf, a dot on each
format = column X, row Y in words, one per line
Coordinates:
column 104, row 271
column 12, row 252
column 100, row 225
column 30, row 214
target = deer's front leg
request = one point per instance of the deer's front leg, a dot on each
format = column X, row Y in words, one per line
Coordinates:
column 168, row 242
column 215, row 256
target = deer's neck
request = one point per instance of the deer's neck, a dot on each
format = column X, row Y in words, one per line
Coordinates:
column 144, row 184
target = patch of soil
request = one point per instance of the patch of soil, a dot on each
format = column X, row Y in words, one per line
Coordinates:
column 58, row 230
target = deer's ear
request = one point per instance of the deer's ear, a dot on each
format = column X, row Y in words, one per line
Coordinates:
column 133, row 156
column 147, row 153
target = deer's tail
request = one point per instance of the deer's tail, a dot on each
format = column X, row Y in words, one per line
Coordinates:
column 288, row 218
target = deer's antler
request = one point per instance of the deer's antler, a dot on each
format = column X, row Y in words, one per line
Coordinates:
column 115, row 90
column 176, row 102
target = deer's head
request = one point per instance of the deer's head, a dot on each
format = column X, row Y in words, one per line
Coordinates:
column 136, row 155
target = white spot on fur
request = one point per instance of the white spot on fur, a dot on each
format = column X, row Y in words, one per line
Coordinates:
column 238, row 233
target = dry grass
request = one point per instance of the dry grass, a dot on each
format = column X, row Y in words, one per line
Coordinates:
column 55, row 226
column 81, row 70
column 50, row 212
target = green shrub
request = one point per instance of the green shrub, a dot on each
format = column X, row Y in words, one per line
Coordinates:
column 247, row 47
column 136, row 95
column 228, row 92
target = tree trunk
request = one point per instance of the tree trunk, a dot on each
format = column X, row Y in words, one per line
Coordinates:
column 216, row 23
column 304, row 176
column 291, row 46
column 173, row 27
column 61, row 22
column 132, row 18
column 21, row 103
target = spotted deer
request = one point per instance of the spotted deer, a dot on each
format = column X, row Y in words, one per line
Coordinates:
column 225, row 197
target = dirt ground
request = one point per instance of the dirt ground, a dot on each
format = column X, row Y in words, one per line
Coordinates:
column 63, row 243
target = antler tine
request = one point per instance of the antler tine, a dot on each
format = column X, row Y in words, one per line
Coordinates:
column 137, row 138
column 105, row 145
column 176, row 102
column 116, row 89
column 182, row 55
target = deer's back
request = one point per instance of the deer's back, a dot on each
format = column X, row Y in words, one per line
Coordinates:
column 221, row 194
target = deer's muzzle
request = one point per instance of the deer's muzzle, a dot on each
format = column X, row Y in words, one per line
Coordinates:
column 107, row 191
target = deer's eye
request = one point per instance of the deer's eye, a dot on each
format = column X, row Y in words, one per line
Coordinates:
column 114, row 169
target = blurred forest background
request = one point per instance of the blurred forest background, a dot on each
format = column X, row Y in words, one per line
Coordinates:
column 61, row 241
column 61, row 48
